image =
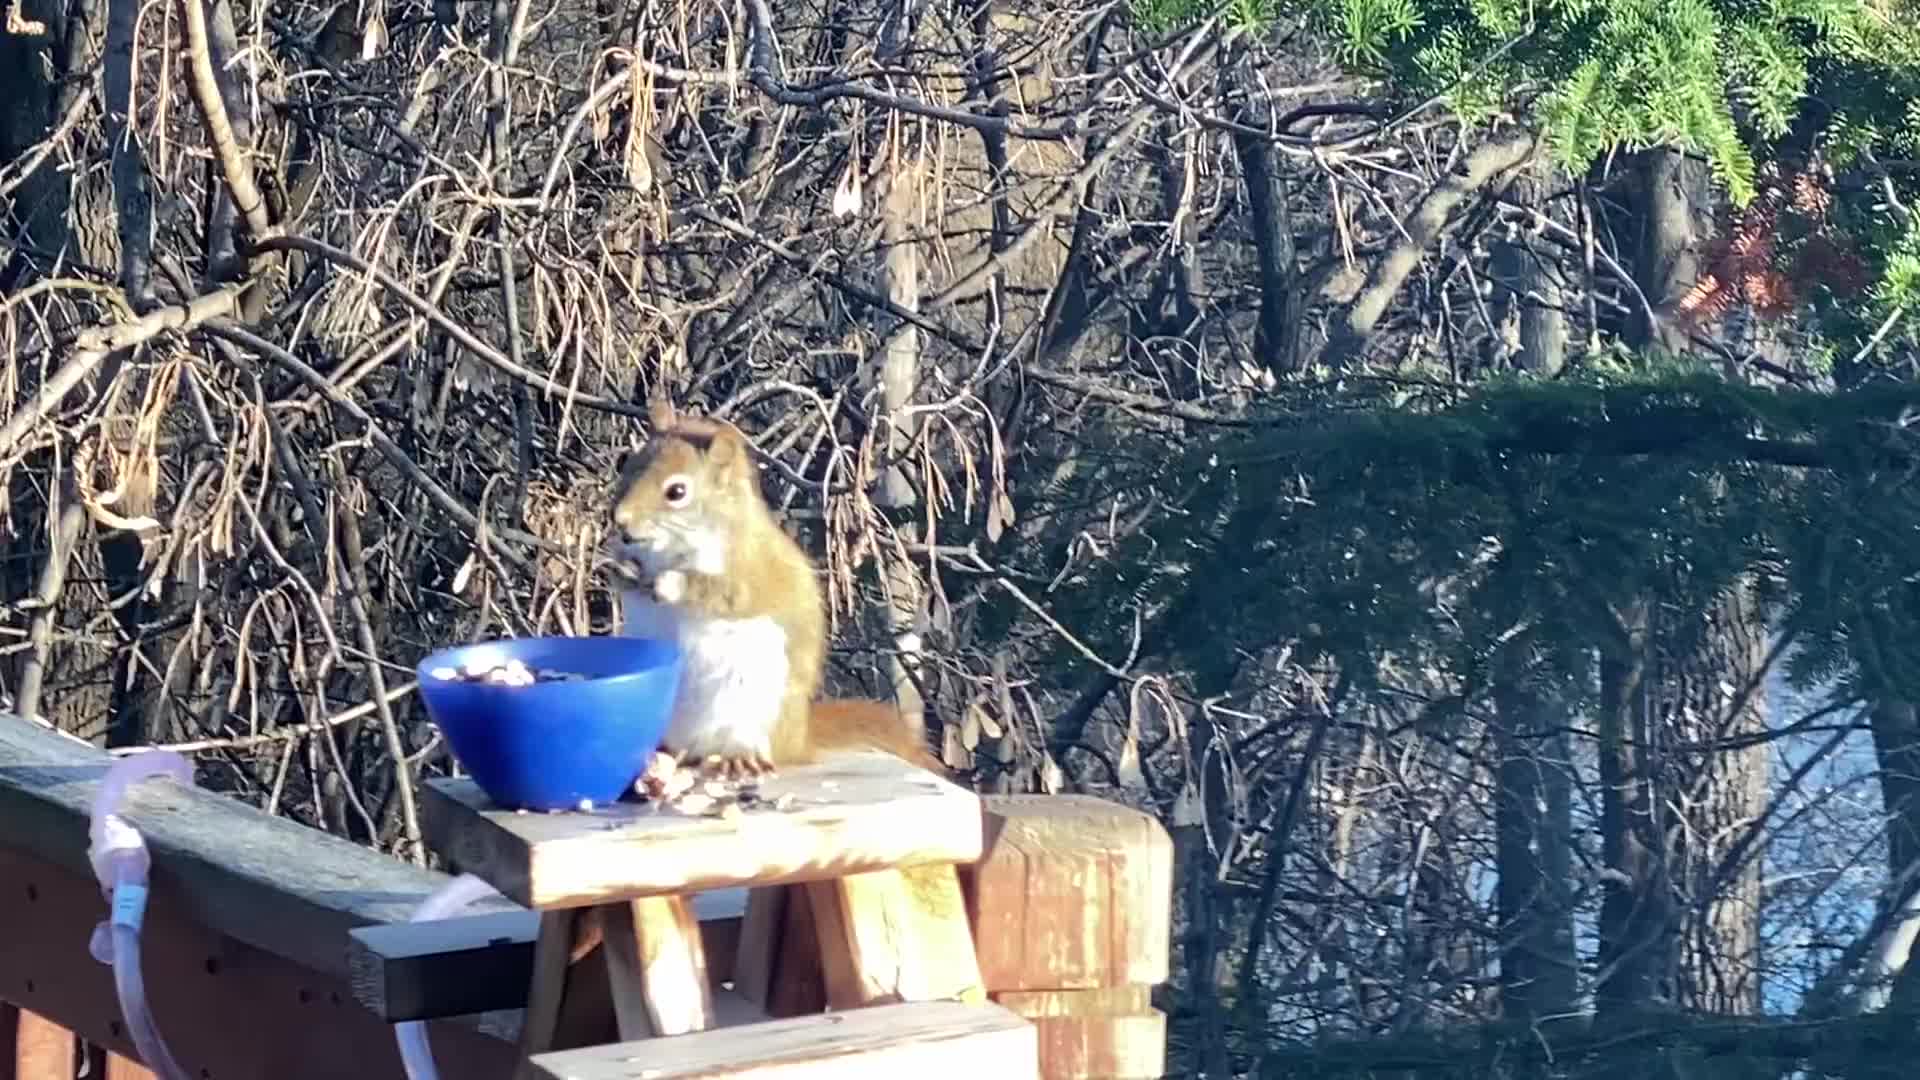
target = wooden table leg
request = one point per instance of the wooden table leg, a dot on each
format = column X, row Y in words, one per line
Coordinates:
column 551, row 951
column 657, row 968
column 755, row 960
column 894, row 935
column 777, row 958
column 568, row 1004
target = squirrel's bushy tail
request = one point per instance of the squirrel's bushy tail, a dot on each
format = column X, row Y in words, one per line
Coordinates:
column 859, row 724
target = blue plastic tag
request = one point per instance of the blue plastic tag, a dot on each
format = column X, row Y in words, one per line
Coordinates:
column 129, row 905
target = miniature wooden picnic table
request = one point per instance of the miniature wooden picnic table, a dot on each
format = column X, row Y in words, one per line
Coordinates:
column 821, row 851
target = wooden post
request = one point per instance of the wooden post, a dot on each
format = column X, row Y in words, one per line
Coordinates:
column 114, row 1067
column 33, row 1047
column 1072, row 912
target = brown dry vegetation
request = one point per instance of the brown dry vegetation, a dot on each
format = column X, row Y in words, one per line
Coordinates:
column 399, row 363
column 325, row 325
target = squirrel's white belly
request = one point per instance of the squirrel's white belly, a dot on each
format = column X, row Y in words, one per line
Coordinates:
column 732, row 679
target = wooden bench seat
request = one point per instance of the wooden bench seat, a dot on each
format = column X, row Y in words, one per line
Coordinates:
column 929, row 1038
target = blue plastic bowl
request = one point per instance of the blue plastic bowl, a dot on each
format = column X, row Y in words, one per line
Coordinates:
column 552, row 745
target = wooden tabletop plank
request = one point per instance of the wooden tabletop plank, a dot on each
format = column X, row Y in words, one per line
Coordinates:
column 272, row 883
column 851, row 813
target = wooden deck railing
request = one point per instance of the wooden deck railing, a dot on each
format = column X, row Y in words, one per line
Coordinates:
column 244, row 946
column 272, row 950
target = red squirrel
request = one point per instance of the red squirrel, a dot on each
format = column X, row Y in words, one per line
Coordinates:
column 704, row 563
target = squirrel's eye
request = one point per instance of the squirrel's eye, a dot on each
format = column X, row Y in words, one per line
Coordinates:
column 676, row 492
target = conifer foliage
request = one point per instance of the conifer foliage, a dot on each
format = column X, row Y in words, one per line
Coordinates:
column 1603, row 75
column 1729, row 80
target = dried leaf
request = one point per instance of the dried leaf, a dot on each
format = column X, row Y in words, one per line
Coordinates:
column 373, row 35
column 111, row 520
column 640, row 122
column 1186, row 808
column 463, row 575
column 846, row 194
column 1131, row 776
column 952, row 753
column 639, row 166
column 1052, row 779
column 1002, row 686
column 971, row 723
column 601, row 121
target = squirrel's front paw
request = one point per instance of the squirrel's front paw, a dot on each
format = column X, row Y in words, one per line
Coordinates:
column 738, row 765
column 670, row 587
column 730, row 758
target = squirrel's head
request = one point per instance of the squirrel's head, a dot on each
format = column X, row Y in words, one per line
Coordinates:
column 682, row 496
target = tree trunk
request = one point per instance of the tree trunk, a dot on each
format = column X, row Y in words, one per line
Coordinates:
column 1707, row 682
column 1636, row 939
column 1674, row 221
column 1539, row 967
column 58, row 216
column 1204, row 912
column 1890, row 972
column 1716, row 691
column 1276, row 341
column 1531, row 322
column 39, row 203
column 1693, row 678
column 898, row 376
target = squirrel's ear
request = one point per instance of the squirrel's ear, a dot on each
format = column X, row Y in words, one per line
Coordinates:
column 660, row 415
column 728, row 446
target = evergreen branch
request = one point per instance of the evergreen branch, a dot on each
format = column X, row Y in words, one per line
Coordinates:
column 1693, row 418
column 1480, row 1050
column 1621, row 440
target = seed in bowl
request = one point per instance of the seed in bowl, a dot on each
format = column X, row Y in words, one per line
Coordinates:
column 508, row 673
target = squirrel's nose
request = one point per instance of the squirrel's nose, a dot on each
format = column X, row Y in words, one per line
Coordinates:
column 623, row 522
column 631, row 531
